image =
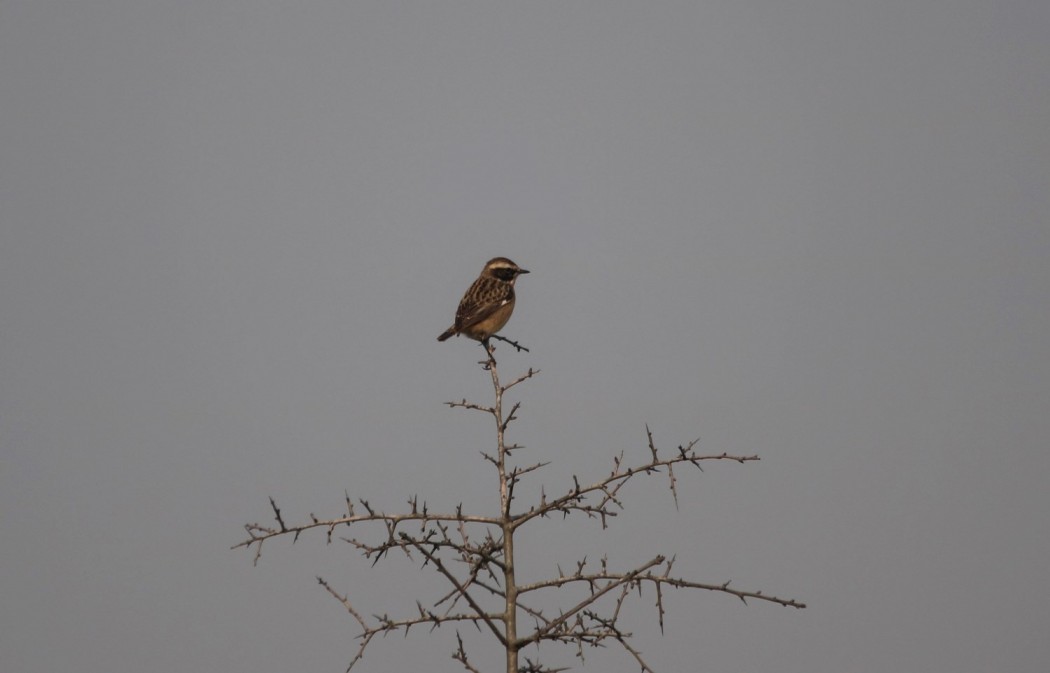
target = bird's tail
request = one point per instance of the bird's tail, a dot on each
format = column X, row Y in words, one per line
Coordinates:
column 447, row 333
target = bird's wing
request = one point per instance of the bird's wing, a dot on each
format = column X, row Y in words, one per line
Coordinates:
column 483, row 299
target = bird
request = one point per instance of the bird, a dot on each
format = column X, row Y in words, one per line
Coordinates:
column 487, row 305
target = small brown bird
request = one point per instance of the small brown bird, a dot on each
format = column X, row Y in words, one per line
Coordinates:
column 487, row 305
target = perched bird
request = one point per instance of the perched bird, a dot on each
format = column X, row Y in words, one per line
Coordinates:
column 487, row 305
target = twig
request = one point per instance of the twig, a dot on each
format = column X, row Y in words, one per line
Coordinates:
column 512, row 343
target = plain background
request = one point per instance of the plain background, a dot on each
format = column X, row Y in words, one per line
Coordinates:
column 815, row 230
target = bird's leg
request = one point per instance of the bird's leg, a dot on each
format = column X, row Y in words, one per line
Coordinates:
column 490, row 351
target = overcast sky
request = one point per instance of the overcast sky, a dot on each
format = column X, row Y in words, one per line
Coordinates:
column 815, row 230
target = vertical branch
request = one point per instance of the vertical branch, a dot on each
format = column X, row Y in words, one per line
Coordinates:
column 510, row 587
column 501, row 463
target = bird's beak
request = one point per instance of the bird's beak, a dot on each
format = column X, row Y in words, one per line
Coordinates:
column 521, row 271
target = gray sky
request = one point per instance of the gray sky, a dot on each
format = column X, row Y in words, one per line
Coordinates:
column 812, row 230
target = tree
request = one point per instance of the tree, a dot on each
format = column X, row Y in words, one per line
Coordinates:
column 475, row 554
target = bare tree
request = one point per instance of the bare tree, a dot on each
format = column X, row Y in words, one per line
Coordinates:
column 475, row 554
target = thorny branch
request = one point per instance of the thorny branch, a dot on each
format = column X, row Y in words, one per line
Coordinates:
column 475, row 553
column 512, row 343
